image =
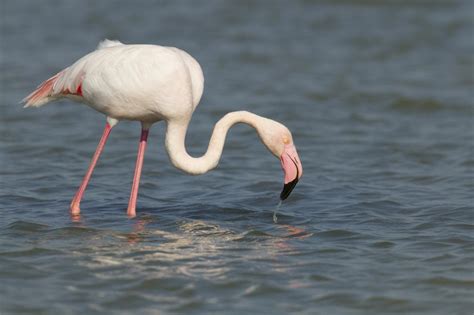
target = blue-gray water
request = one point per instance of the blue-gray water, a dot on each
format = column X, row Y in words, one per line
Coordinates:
column 379, row 96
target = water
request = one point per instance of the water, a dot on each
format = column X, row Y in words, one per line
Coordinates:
column 275, row 217
column 379, row 97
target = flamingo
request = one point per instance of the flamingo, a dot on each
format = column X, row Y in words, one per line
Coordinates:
column 151, row 83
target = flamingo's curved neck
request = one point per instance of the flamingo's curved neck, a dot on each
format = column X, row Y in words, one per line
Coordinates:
column 175, row 142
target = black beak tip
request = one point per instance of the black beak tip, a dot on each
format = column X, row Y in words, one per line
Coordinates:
column 288, row 188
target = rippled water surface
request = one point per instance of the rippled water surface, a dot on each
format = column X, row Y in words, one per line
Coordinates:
column 379, row 97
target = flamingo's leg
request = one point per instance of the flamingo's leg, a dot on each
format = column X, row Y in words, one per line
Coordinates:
column 132, row 203
column 76, row 201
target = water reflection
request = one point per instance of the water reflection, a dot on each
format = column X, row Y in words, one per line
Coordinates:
column 76, row 218
column 190, row 248
column 296, row 232
column 138, row 231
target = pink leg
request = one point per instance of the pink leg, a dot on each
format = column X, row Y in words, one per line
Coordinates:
column 132, row 203
column 76, row 201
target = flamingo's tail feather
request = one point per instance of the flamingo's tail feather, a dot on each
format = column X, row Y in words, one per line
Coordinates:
column 43, row 94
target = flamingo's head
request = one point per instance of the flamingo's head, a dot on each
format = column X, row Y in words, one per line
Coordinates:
column 278, row 139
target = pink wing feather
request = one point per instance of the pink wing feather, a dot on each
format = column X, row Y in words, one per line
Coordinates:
column 43, row 93
column 54, row 88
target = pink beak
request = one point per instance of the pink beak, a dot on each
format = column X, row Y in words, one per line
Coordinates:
column 291, row 165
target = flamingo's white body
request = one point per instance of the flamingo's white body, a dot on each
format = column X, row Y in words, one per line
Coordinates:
column 151, row 83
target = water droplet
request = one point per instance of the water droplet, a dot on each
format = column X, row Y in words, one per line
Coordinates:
column 275, row 219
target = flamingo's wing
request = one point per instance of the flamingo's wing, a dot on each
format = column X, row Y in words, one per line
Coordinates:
column 68, row 82
column 44, row 92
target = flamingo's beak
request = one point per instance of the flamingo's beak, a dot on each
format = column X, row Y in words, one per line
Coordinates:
column 291, row 165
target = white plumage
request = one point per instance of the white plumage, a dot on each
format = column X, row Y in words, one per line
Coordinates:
column 132, row 82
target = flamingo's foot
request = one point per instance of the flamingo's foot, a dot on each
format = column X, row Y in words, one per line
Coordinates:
column 75, row 209
column 131, row 213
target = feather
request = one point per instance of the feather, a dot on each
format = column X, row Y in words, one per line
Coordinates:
column 107, row 43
